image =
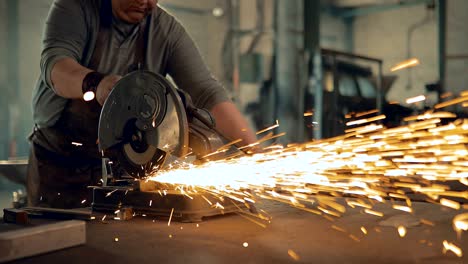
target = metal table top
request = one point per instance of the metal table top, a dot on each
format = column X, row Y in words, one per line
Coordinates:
column 292, row 236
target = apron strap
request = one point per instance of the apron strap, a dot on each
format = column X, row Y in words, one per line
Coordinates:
column 139, row 61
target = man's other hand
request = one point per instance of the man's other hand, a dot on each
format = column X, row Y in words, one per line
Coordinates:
column 105, row 87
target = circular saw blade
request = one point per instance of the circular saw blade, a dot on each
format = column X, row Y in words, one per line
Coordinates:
column 142, row 120
column 139, row 158
column 138, row 164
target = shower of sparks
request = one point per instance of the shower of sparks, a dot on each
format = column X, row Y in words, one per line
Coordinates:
column 455, row 101
column 368, row 165
column 450, row 203
column 110, row 193
column 372, row 212
column 364, row 230
column 403, row 208
column 402, row 231
column 355, row 238
column 460, row 222
column 451, row 247
column 293, row 255
column 426, row 222
column 416, row 99
column 268, row 128
column 446, row 95
column 405, row 64
column 366, row 120
column 170, row 217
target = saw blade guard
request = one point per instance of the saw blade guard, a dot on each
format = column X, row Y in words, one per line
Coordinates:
column 142, row 121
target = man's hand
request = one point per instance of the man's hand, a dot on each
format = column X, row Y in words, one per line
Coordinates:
column 67, row 81
column 105, row 86
column 232, row 124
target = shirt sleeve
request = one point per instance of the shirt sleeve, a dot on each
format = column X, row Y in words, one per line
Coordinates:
column 189, row 71
column 64, row 36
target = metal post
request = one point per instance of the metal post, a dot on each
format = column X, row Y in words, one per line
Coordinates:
column 4, row 110
column 318, row 98
column 11, row 86
column 235, row 26
column 289, row 41
column 334, row 108
column 312, row 48
column 442, row 26
column 379, row 88
column 349, row 33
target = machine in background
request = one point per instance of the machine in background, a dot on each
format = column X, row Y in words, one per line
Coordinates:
column 349, row 88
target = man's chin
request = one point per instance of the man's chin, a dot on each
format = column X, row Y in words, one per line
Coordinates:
column 136, row 17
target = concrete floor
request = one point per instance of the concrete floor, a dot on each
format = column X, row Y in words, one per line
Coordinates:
column 312, row 238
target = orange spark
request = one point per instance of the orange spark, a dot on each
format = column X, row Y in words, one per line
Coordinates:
column 405, row 64
column 416, row 99
column 293, row 255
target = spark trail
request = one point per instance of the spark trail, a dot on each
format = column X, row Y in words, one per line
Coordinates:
column 369, row 163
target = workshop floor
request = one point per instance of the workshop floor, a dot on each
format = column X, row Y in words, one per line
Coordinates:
column 294, row 236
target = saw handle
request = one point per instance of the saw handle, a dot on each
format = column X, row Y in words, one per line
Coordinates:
column 193, row 112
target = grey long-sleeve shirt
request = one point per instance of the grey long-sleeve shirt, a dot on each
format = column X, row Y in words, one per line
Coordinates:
column 71, row 31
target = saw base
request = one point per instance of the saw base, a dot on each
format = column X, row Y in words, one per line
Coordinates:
column 163, row 203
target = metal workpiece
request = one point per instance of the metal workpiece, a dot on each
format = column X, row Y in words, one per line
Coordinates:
column 23, row 215
column 15, row 216
column 158, row 202
column 40, row 239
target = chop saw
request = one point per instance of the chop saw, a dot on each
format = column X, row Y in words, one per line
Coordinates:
column 145, row 124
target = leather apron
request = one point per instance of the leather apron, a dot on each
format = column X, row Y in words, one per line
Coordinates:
column 65, row 159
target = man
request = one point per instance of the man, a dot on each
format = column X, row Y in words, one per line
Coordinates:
column 88, row 45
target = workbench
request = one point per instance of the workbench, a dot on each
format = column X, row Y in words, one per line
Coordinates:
column 293, row 236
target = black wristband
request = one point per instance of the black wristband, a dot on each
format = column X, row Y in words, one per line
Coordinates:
column 91, row 82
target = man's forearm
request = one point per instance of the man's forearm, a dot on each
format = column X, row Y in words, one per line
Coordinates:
column 232, row 124
column 67, row 78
